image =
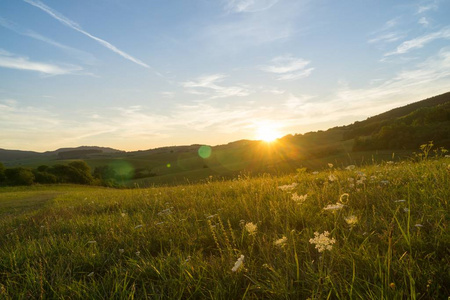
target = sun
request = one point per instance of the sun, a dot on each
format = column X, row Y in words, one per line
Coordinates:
column 267, row 133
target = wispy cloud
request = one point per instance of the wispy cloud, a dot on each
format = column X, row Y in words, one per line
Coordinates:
column 210, row 85
column 66, row 21
column 421, row 41
column 424, row 22
column 81, row 55
column 233, row 33
column 386, row 38
column 294, row 102
column 12, row 61
column 387, row 33
column 168, row 94
column 288, row 67
column 432, row 5
column 419, row 81
column 249, row 5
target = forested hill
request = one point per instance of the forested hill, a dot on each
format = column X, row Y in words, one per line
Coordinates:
column 405, row 127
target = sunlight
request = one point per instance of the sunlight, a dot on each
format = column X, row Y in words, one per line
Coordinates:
column 267, row 132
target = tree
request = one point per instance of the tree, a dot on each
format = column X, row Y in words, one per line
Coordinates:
column 2, row 173
column 19, row 176
column 70, row 174
column 44, row 177
column 104, row 173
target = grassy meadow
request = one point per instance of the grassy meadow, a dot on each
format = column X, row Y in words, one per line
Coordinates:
column 373, row 232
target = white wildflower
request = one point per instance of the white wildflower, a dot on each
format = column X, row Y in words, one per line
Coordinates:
column 238, row 264
column 405, row 209
column 350, row 167
column 288, row 187
column 351, row 220
column 330, row 165
column 332, row 178
column 418, row 225
column 336, row 206
column 121, row 251
column 251, row 228
column 299, row 198
column 281, row 242
column 315, row 173
column 138, row 253
column 322, row 241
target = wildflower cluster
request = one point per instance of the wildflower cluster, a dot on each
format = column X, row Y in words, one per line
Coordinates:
column 351, row 220
column 281, row 242
column 336, row 206
column 322, row 241
column 288, row 187
column 251, row 228
column 299, row 198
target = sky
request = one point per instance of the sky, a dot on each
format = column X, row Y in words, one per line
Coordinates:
column 141, row 74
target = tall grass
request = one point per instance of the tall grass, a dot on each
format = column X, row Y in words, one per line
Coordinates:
column 390, row 231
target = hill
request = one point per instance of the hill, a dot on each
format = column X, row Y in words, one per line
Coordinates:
column 12, row 157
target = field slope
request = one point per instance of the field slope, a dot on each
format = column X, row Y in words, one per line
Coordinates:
column 375, row 233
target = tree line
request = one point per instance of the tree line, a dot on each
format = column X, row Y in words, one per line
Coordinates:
column 75, row 172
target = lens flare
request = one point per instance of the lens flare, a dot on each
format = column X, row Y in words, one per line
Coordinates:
column 204, row 151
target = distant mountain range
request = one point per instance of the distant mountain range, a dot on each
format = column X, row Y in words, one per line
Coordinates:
column 11, row 155
column 401, row 129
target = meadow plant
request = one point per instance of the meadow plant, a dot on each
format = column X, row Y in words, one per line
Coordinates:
column 322, row 242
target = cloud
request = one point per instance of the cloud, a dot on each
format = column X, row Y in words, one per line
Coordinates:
column 81, row 55
column 66, row 21
column 428, row 77
column 209, row 85
column 294, row 102
column 430, row 6
column 12, row 61
column 237, row 32
column 386, row 38
column 386, row 34
column 421, row 41
column 168, row 94
column 288, row 68
column 424, row 22
column 249, row 5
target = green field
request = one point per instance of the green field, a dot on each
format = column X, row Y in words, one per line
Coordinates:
column 234, row 239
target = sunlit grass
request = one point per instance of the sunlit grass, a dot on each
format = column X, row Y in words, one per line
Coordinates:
column 244, row 238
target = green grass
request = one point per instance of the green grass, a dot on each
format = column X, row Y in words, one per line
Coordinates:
column 182, row 242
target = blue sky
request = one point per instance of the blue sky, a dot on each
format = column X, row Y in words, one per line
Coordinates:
column 143, row 74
